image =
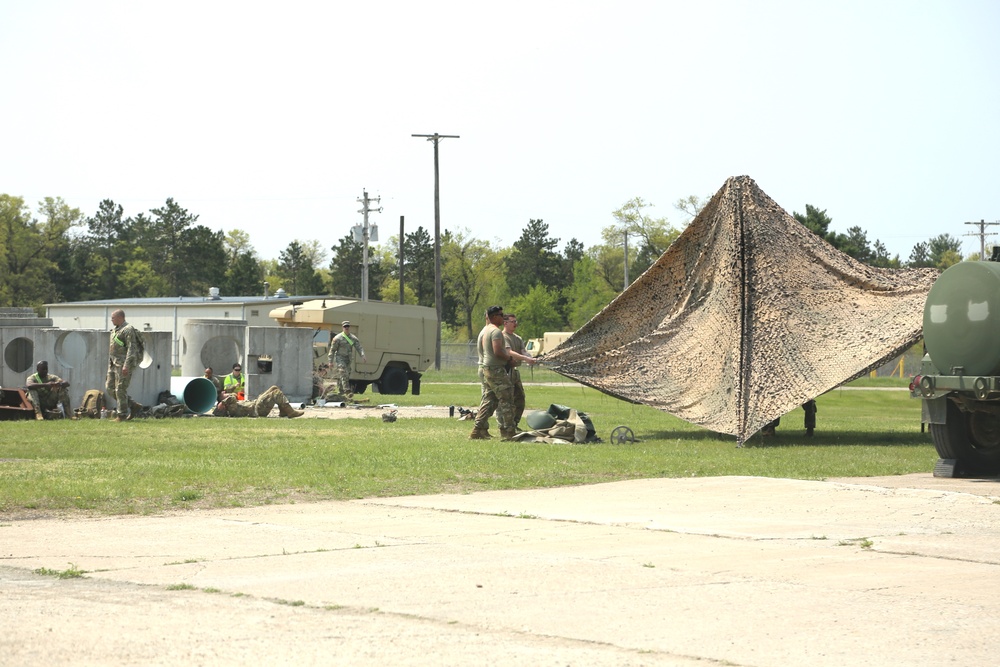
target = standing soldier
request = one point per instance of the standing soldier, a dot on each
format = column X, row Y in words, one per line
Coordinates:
column 342, row 349
column 518, row 355
column 46, row 391
column 125, row 352
column 498, row 392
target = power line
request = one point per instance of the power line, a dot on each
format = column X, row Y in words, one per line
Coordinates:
column 982, row 234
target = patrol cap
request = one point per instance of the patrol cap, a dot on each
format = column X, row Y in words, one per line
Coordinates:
column 345, row 323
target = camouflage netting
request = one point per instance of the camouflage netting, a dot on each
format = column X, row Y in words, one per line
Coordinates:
column 745, row 317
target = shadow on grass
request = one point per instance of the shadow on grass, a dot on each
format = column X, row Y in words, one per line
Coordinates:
column 797, row 438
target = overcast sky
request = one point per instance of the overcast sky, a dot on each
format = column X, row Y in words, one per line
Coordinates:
column 275, row 117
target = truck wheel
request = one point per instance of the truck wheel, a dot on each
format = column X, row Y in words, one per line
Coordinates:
column 394, row 381
column 358, row 386
column 972, row 438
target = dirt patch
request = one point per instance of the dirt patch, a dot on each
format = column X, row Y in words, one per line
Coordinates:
column 362, row 411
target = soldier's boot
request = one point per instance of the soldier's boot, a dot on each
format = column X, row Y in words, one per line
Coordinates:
column 286, row 410
column 480, row 434
column 39, row 416
column 507, row 433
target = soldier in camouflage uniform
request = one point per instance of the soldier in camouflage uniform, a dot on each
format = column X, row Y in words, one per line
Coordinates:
column 46, row 391
column 230, row 406
column 518, row 355
column 124, row 354
column 498, row 390
column 342, row 348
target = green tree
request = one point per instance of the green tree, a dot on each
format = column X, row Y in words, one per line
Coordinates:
column 27, row 247
column 205, row 256
column 588, row 294
column 295, row 266
column 237, row 243
column 647, row 237
column 533, row 260
column 536, row 312
column 244, row 277
column 162, row 237
column 469, row 272
column 418, row 266
column 104, row 249
column 944, row 250
column 345, row 269
column 817, row 221
column 920, row 256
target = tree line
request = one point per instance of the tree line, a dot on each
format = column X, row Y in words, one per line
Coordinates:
column 62, row 255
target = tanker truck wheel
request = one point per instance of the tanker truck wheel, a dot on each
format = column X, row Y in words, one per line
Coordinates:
column 971, row 438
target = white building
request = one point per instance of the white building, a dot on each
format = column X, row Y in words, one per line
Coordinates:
column 171, row 313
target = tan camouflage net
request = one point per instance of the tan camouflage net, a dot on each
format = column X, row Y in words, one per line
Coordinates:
column 745, row 317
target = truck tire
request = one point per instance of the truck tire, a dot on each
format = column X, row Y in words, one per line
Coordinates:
column 358, row 386
column 394, row 381
column 971, row 438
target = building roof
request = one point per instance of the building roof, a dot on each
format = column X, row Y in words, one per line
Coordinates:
column 191, row 300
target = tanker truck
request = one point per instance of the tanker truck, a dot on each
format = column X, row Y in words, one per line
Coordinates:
column 959, row 379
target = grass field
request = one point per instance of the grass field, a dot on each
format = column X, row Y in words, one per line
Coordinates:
column 150, row 466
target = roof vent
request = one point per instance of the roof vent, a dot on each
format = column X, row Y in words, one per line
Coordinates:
column 213, row 293
column 281, row 294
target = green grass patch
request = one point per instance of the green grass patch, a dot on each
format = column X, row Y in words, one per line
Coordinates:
column 148, row 466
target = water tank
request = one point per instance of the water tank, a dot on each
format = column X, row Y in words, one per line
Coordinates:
column 962, row 319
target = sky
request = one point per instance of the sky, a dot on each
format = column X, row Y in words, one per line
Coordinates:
column 276, row 118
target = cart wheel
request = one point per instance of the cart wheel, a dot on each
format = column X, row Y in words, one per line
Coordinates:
column 621, row 435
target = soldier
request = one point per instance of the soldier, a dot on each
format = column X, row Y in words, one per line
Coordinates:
column 342, row 348
column 230, row 406
column 126, row 350
column 497, row 389
column 46, row 391
column 518, row 355
column 210, row 376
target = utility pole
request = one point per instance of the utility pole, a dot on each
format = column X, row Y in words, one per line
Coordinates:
column 362, row 234
column 438, row 295
column 402, row 298
column 982, row 236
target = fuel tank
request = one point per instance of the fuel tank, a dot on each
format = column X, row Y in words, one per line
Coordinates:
column 962, row 319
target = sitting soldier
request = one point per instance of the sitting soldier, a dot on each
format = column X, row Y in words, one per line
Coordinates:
column 45, row 392
column 230, row 406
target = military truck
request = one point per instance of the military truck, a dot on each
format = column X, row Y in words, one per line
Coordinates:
column 399, row 340
column 959, row 379
column 548, row 341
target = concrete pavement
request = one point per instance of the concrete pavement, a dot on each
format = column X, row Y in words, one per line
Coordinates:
column 727, row 571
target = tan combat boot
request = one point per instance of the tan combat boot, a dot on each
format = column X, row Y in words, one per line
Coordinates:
column 483, row 434
column 507, row 433
column 286, row 410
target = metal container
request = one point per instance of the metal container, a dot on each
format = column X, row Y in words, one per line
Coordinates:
column 962, row 320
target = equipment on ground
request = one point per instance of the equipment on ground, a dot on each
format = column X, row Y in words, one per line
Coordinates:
column 959, row 380
column 622, row 434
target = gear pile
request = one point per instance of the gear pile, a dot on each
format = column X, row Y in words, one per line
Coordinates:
column 746, row 316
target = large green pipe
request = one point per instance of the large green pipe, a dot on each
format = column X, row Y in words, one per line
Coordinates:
column 198, row 394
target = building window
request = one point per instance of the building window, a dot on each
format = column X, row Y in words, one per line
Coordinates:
column 254, row 313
